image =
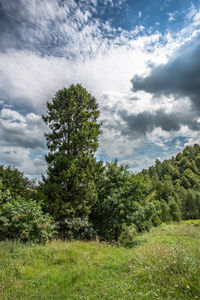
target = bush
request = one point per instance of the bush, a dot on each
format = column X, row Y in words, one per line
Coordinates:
column 128, row 233
column 25, row 221
column 17, row 183
column 77, row 228
column 5, row 196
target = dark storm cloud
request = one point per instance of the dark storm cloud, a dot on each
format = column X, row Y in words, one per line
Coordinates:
column 145, row 122
column 179, row 77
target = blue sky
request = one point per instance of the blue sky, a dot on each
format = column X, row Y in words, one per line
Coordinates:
column 140, row 59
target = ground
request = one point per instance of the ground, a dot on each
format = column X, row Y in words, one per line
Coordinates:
column 161, row 264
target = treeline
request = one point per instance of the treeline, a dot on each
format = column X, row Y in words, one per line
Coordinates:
column 120, row 211
column 126, row 204
column 175, row 183
column 82, row 198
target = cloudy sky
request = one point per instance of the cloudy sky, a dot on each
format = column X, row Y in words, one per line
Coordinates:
column 139, row 58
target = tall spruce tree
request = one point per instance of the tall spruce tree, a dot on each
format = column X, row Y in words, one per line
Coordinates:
column 72, row 117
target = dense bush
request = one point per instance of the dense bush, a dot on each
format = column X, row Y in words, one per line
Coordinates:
column 77, row 228
column 122, row 203
column 145, row 216
column 128, row 233
column 17, row 183
column 116, row 213
column 4, row 196
column 25, row 221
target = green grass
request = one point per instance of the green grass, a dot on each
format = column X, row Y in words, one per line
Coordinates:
column 163, row 264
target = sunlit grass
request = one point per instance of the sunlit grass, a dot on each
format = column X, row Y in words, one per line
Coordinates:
column 162, row 264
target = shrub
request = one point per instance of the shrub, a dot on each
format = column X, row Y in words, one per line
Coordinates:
column 4, row 196
column 127, row 234
column 25, row 221
column 117, row 211
column 17, row 183
column 77, row 228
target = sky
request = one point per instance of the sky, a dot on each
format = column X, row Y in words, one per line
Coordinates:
column 139, row 58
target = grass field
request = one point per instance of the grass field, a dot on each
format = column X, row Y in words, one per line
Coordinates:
column 161, row 264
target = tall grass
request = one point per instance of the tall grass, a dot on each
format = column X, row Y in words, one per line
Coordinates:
column 162, row 264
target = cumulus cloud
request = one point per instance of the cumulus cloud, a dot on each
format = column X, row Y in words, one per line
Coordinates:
column 17, row 130
column 11, row 115
column 22, row 141
column 22, row 158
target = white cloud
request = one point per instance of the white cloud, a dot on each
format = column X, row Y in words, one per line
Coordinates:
column 172, row 16
column 11, row 115
column 21, row 158
column 22, row 142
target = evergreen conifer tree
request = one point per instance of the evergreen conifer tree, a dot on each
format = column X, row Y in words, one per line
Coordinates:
column 72, row 117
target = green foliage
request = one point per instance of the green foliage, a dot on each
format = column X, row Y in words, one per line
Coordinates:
column 174, row 210
column 179, row 156
column 191, row 205
column 112, row 178
column 72, row 117
column 185, row 183
column 77, row 228
column 121, row 203
column 13, row 180
column 25, row 221
column 146, row 215
column 173, row 171
column 5, row 196
column 128, row 233
column 189, row 174
column 177, row 179
column 165, row 211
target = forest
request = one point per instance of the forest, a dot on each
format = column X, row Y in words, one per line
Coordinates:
column 83, row 198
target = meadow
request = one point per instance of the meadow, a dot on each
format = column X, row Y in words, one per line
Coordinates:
column 161, row 264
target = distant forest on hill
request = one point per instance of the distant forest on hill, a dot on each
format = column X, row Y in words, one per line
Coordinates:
column 176, row 184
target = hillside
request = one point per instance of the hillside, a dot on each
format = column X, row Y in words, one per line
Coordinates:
column 175, row 183
column 163, row 264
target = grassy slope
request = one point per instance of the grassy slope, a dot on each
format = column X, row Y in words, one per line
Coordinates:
column 164, row 264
